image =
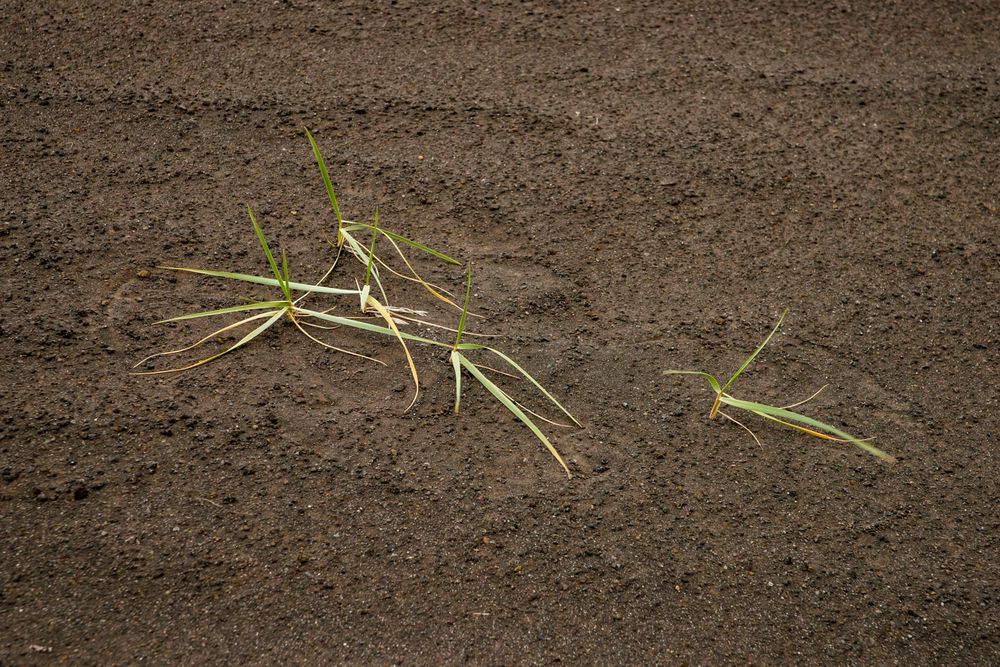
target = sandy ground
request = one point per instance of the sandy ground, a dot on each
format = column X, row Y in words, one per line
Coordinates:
column 640, row 187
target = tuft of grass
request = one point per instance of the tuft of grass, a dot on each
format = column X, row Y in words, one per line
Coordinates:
column 289, row 306
column 780, row 415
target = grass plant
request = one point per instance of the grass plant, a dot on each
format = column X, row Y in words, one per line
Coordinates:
column 780, row 415
column 289, row 306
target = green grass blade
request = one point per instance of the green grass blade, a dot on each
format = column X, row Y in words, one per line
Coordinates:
column 359, row 251
column 510, row 405
column 465, row 307
column 284, row 279
column 270, row 257
column 413, row 244
column 755, row 353
column 802, row 429
column 809, row 421
column 258, row 305
column 456, row 364
column 513, row 364
column 711, row 380
column 365, row 326
column 326, row 180
column 260, row 280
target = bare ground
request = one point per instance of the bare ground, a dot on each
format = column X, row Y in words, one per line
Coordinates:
column 640, row 187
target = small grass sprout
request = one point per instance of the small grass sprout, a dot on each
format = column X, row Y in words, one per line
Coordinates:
column 288, row 308
column 780, row 415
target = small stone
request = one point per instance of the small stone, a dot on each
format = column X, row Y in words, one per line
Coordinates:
column 144, row 273
column 41, row 497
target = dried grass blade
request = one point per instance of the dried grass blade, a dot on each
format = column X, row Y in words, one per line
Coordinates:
column 523, row 406
column 436, row 291
column 743, row 426
column 204, row 340
column 322, row 278
column 419, row 246
column 396, row 314
column 513, row 364
column 298, row 325
column 257, row 305
column 243, row 341
column 457, row 365
column 380, row 309
column 804, row 401
column 365, row 326
column 362, row 256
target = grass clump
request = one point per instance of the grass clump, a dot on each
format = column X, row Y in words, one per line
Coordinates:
column 781, row 415
column 288, row 306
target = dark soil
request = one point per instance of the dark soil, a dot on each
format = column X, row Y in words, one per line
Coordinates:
column 640, row 188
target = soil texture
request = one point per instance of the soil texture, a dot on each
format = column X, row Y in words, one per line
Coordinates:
column 640, row 186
